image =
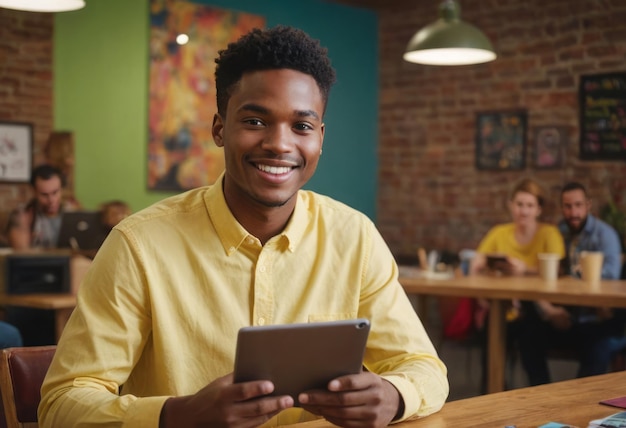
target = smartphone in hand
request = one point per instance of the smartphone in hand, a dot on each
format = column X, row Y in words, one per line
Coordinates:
column 498, row 263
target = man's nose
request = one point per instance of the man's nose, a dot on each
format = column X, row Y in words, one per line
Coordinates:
column 279, row 140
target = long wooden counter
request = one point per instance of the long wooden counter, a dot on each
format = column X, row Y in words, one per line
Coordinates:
column 574, row 402
column 501, row 289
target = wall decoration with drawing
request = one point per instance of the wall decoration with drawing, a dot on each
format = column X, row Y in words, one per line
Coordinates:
column 501, row 140
column 549, row 146
column 181, row 151
column 603, row 116
column 16, row 152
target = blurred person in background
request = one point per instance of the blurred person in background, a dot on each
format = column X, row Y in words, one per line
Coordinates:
column 521, row 240
column 519, row 243
column 37, row 224
column 112, row 212
column 9, row 336
column 594, row 334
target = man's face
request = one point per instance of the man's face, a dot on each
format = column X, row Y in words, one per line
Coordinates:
column 575, row 207
column 48, row 194
column 272, row 136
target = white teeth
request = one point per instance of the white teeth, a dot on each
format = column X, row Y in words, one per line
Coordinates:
column 274, row 169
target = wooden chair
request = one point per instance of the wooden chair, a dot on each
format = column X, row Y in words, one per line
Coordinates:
column 22, row 371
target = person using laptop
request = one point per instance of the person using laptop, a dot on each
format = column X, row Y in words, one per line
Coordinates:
column 152, row 340
column 38, row 223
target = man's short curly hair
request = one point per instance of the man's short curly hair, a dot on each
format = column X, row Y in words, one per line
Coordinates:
column 271, row 49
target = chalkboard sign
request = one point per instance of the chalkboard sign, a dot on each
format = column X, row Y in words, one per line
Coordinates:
column 603, row 117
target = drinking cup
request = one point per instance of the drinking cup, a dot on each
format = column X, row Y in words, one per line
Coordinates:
column 591, row 266
column 549, row 266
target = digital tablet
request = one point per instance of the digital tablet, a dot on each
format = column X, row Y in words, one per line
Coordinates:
column 496, row 260
column 300, row 357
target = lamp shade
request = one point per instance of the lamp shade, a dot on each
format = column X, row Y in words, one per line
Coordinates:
column 449, row 41
column 43, row 5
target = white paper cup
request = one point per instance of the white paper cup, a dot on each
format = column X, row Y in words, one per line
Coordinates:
column 549, row 266
column 591, row 266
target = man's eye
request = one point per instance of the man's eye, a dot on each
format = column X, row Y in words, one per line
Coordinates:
column 303, row 127
column 254, row 122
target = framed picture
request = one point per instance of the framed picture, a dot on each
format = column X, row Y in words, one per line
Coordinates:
column 603, row 116
column 16, row 152
column 501, row 140
column 549, row 146
column 184, row 40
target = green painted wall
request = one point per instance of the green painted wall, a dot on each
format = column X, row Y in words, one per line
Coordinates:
column 101, row 82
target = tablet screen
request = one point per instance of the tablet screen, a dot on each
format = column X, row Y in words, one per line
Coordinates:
column 300, row 357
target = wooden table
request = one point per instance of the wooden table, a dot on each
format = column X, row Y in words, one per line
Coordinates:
column 61, row 304
column 499, row 290
column 573, row 402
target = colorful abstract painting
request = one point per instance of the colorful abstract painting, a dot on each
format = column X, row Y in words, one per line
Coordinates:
column 184, row 41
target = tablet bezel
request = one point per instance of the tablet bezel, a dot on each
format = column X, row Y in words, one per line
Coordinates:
column 301, row 357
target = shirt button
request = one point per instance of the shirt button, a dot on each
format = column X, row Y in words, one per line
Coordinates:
column 261, row 321
column 262, row 269
column 250, row 240
column 231, row 249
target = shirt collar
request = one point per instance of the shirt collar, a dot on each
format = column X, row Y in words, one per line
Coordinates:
column 232, row 234
column 589, row 224
column 588, row 228
column 297, row 224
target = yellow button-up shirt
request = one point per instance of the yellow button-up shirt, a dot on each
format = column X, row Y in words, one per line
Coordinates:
column 159, row 310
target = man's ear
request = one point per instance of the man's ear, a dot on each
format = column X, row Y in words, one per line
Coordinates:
column 217, row 130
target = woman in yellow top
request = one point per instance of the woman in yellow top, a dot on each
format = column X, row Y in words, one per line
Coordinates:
column 522, row 239
column 520, row 242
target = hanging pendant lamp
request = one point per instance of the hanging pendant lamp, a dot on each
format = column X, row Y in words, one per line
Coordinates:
column 43, row 5
column 449, row 41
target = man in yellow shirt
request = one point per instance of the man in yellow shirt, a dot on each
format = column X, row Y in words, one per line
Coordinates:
column 152, row 340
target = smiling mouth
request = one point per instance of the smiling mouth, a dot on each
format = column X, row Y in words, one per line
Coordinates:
column 275, row 170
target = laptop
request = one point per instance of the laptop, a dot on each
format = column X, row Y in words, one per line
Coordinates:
column 81, row 230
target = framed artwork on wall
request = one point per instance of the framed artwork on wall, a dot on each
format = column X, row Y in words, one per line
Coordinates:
column 16, row 152
column 185, row 38
column 549, row 143
column 501, row 140
column 603, row 116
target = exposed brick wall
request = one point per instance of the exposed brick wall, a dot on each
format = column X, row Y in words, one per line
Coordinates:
column 430, row 193
column 26, row 86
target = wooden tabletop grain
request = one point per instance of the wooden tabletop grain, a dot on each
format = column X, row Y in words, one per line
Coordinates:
column 574, row 402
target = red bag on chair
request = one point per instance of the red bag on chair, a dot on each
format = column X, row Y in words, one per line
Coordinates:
column 461, row 323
